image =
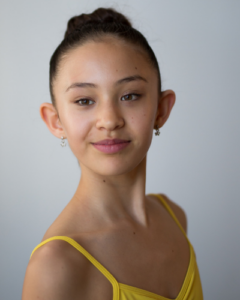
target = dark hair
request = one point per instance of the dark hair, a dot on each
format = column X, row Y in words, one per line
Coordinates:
column 95, row 26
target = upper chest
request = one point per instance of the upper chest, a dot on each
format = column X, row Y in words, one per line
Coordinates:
column 156, row 260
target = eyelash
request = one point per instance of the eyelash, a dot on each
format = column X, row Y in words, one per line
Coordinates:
column 137, row 95
column 78, row 101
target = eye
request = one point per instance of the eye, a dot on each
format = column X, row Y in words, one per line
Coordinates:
column 130, row 97
column 85, row 102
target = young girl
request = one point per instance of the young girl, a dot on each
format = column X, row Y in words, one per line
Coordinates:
column 111, row 241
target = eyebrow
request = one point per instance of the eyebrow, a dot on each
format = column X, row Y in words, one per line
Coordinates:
column 92, row 85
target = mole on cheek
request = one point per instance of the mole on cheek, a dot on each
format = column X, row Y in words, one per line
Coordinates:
column 135, row 68
column 103, row 180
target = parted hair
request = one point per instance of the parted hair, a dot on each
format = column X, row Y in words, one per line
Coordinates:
column 95, row 26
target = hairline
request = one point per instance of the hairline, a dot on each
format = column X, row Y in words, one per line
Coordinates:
column 100, row 38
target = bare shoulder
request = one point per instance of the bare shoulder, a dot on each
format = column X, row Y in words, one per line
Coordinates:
column 178, row 211
column 55, row 272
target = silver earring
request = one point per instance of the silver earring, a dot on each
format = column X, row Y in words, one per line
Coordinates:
column 157, row 132
column 63, row 143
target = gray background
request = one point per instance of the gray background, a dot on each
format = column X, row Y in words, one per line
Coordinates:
column 195, row 161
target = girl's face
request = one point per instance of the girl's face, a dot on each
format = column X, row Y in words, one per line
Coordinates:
column 107, row 90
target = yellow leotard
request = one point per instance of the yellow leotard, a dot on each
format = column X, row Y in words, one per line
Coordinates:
column 191, row 288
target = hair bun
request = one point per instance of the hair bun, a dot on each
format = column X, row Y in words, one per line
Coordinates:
column 100, row 15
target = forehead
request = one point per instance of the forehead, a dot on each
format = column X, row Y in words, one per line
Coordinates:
column 104, row 61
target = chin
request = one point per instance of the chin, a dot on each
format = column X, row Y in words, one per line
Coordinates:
column 113, row 166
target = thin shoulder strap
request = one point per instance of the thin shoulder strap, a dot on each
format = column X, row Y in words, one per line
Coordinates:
column 168, row 208
column 100, row 267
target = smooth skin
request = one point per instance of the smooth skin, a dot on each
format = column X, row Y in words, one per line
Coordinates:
column 108, row 89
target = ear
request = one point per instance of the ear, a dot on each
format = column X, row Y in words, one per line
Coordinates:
column 50, row 117
column 165, row 105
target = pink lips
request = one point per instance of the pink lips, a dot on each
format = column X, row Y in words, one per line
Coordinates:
column 111, row 146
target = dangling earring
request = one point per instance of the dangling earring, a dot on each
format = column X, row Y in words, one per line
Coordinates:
column 63, row 143
column 157, row 132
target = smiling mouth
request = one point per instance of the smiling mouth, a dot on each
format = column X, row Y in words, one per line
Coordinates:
column 111, row 146
column 111, row 142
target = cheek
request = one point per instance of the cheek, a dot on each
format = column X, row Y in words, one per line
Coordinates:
column 77, row 129
column 142, row 122
column 143, row 119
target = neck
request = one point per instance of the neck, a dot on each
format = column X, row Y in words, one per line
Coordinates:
column 112, row 198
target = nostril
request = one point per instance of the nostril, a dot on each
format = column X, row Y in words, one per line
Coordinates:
column 110, row 122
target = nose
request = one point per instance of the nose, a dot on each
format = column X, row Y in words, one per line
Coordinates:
column 109, row 117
